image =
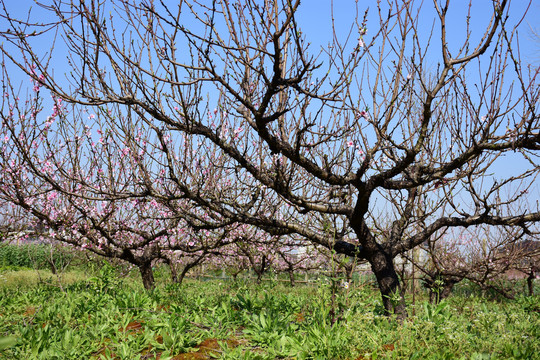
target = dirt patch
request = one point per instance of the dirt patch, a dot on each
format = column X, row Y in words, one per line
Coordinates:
column 30, row 311
column 299, row 317
column 134, row 327
column 208, row 349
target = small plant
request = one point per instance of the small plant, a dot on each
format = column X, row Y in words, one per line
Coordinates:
column 107, row 281
column 530, row 303
column 112, row 317
column 437, row 313
column 7, row 341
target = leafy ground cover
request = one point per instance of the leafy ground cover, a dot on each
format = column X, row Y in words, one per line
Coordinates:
column 108, row 317
column 37, row 256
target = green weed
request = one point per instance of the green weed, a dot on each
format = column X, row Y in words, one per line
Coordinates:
column 106, row 316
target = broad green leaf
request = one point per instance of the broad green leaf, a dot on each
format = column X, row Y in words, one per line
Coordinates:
column 7, row 342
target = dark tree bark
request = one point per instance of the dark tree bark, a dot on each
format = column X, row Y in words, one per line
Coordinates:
column 260, row 270
column 530, row 283
column 174, row 272
column 533, row 270
column 183, row 274
column 144, row 263
column 388, row 281
column 291, row 277
column 147, row 274
column 440, row 285
column 383, row 267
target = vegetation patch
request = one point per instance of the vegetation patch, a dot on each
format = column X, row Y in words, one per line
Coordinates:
column 241, row 320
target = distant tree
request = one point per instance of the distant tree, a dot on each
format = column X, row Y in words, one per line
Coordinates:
column 297, row 257
column 481, row 255
column 524, row 257
column 13, row 223
column 85, row 187
column 385, row 138
column 178, row 260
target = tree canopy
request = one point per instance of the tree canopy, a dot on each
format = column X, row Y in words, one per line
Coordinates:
column 212, row 115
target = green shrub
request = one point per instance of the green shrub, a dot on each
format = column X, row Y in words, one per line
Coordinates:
column 34, row 256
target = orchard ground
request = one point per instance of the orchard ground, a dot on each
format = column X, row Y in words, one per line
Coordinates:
column 100, row 311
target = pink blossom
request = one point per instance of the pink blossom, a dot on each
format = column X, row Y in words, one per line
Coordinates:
column 237, row 132
column 361, row 43
column 363, row 114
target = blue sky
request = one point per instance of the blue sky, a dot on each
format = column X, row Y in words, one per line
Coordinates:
column 314, row 17
column 316, row 21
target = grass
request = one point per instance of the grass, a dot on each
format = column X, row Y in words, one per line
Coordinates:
column 36, row 256
column 30, row 278
column 108, row 317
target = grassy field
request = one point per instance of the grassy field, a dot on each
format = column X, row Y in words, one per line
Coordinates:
column 108, row 317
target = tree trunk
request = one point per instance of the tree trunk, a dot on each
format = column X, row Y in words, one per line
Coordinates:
column 447, row 289
column 388, row 281
column 183, row 274
column 147, row 275
column 348, row 273
column 530, row 283
column 433, row 296
column 260, row 270
column 291, row 277
column 53, row 267
column 172, row 267
column 440, row 286
column 174, row 273
column 383, row 267
column 259, row 276
column 437, row 294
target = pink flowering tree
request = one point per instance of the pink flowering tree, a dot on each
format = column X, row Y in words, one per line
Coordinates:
column 386, row 135
column 299, row 257
column 248, row 249
column 91, row 179
column 13, row 223
column 484, row 256
column 204, row 247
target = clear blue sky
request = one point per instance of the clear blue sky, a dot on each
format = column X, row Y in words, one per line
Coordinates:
column 314, row 17
column 316, row 21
